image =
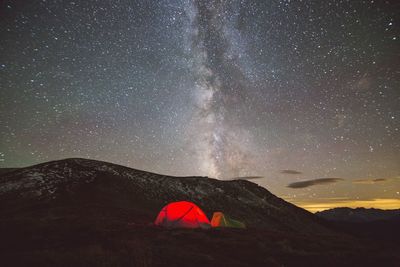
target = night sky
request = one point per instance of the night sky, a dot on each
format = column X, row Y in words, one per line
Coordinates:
column 305, row 94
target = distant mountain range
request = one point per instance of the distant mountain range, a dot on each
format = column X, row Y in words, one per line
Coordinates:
column 359, row 215
column 375, row 224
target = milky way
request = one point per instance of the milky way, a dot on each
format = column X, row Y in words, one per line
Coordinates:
column 286, row 91
column 220, row 87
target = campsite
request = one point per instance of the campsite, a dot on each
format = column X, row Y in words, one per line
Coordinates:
column 184, row 214
column 79, row 212
column 226, row 133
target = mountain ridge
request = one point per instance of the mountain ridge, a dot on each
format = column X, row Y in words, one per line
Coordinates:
column 242, row 199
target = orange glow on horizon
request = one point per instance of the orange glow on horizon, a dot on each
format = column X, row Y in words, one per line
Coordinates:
column 324, row 204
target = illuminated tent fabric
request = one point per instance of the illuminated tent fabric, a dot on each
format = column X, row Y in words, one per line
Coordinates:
column 221, row 220
column 182, row 214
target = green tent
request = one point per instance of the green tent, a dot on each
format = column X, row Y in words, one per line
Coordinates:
column 221, row 220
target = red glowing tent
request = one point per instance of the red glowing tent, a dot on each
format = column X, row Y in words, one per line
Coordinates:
column 182, row 214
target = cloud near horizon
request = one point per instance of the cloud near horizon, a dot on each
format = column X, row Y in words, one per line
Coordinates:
column 245, row 178
column 291, row 172
column 308, row 183
column 370, row 181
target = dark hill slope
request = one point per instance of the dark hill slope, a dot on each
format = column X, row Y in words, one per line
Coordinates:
column 78, row 212
column 99, row 187
column 5, row 170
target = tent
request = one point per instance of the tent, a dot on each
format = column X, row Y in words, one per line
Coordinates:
column 182, row 214
column 221, row 220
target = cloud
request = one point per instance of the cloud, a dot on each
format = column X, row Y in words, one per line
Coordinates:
column 246, row 178
column 320, row 181
column 291, row 172
column 370, row 181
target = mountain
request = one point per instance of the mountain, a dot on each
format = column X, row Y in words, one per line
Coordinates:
column 77, row 181
column 358, row 214
column 5, row 170
column 375, row 224
column 80, row 212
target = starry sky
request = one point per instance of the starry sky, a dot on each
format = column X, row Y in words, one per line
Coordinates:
column 301, row 96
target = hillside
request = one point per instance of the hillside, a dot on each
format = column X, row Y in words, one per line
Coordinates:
column 77, row 181
column 5, row 170
column 79, row 212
